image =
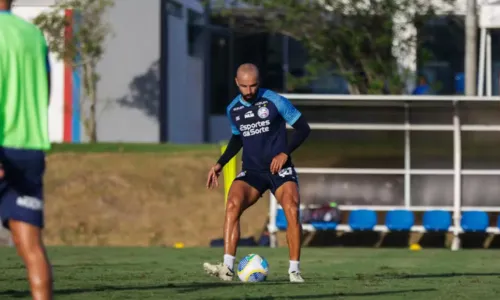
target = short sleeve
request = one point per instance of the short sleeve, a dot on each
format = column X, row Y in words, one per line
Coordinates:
column 234, row 129
column 285, row 107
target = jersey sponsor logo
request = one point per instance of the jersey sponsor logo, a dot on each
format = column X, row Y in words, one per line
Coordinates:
column 237, row 118
column 249, row 114
column 238, row 108
column 255, row 128
column 30, row 203
column 261, row 103
column 263, row 112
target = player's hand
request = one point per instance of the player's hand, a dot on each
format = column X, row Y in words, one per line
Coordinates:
column 278, row 162
column 213, row 176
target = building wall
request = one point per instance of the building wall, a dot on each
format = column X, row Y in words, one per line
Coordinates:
column 129, row 88
column 186, row 101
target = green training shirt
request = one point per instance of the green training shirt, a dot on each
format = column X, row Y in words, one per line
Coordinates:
column 24, row 85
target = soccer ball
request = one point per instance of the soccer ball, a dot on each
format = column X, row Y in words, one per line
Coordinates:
column 253, row 268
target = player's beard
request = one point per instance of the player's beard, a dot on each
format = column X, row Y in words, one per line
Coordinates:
column 249, row 98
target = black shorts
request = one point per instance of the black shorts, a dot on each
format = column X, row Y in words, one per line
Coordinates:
column 263, row 181
column 21, row 189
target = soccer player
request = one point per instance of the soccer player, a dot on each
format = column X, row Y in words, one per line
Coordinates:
column 24, row 100
column 258, row 120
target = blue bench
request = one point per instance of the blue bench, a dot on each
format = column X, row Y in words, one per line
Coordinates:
column 436, row 220
column 362, row 220
column 401, row 220
column 474, row 221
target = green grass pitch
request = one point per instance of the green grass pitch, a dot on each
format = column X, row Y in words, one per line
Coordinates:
column 331, row 273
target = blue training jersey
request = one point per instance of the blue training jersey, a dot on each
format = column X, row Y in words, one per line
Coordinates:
column 262, row 127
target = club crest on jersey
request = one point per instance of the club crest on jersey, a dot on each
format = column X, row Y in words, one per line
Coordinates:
column 263, row 112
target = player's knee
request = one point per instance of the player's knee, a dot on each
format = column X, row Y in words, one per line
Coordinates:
column 291, row 210
column 28, row 245
column 290, row 199
column 234, row 205
column 29, row 251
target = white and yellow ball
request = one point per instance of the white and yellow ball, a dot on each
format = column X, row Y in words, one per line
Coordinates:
column 253, row 268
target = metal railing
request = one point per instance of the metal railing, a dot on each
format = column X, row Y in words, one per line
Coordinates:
column 406, row 101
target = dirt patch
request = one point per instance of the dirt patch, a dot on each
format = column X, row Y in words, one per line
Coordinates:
column 137, row 199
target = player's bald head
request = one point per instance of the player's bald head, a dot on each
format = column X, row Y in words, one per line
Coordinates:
column 247, row 71
column 247, row 80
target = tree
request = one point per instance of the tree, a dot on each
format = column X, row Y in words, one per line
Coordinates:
column 83, row 48
column 352, row 38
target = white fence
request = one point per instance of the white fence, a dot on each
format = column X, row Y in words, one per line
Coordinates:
column 406, row 101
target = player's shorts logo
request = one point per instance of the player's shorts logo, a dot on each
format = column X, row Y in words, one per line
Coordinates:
column 263, row 112
column 30, row 203
column 285, row 172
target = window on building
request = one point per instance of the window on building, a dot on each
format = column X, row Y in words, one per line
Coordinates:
column 440, row 52
column 219, row 73
column 173, row 8
column 195, row 23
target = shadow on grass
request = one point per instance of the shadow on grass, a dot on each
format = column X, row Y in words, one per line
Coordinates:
column 442, row 275
column 193, row 287
column 180, row 287
column 343, row 295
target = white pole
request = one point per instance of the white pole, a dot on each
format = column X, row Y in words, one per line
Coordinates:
column 482, row 51
column 273, row 241
column 407, row 184
column 470, row 48
column 489, row 79
column 457, row 180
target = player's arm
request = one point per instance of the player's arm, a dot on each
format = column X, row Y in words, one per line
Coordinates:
column 295, row 119
column 300, row 134
column 233, row 147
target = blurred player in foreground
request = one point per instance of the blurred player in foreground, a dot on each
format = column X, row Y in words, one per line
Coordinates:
column 24, row 100
column 258, row 120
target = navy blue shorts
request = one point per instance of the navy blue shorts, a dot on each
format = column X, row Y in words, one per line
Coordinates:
column 267, row 181
column 21, row 188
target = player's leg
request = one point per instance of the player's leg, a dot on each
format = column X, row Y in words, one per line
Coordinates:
column 21, row 211
column 28, row 241
column 244, row 192
column 287, row 194
column 241, row 196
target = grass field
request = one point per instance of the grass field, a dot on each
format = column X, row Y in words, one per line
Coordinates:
column 162, row 273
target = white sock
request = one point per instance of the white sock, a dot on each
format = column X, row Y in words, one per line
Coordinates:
column 229, row 261
column 294, row 266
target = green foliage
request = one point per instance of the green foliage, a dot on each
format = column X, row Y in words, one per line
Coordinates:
column 85, row 43
column 352, row 38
